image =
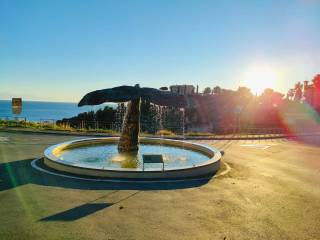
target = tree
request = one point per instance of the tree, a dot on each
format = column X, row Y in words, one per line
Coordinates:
column 244, row 92
column 290, row 94
column 297, row 92
column 216, row 90
column 207, row 91
column 271, row 98
column 316, row 81
column 243, row 96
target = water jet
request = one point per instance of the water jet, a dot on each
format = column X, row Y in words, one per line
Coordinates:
column 123, row 157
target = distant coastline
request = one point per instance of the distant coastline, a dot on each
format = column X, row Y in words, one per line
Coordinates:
column 36, row 111
column 9, row 100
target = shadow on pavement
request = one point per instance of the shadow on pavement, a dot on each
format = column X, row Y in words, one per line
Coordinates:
column 17, row 173
column 77, row 212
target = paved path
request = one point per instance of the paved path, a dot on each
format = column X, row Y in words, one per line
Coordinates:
column 271, row 192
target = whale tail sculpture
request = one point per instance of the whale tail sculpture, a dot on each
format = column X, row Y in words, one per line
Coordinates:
column 129, row 139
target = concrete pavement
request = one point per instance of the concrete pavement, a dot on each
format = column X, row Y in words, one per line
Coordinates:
column 271, row 192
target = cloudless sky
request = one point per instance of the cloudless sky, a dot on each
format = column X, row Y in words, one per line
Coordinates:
column 59, row 50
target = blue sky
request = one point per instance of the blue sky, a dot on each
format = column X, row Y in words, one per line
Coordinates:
column 59, row 50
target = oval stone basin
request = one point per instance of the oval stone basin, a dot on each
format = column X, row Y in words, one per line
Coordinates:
column 100, row 157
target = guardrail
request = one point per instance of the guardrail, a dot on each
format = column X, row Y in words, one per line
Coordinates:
column 10, row 118
column 176, row 128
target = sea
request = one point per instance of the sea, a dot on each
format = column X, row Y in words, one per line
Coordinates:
column 36, row 111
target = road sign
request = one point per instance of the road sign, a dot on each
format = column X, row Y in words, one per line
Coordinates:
column 16, row 105
column 152, row 158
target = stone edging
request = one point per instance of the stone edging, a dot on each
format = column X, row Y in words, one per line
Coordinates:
column 206, row 168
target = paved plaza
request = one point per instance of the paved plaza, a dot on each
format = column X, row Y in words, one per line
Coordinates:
column 266, row 189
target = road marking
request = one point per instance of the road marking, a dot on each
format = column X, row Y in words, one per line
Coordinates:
column 258, row 146
column 228, row 169
column 4, row 139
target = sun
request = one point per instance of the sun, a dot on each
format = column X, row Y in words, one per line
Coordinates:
column 258, row 77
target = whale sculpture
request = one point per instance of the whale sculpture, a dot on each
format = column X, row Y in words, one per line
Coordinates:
column 129, row 139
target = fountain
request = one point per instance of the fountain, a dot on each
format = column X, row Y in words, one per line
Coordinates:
column 131, row 156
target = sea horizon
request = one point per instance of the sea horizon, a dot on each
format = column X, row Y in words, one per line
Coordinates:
column 36, row 111
column 48, row 101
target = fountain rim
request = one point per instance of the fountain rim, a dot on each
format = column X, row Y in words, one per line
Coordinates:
column 204, row 168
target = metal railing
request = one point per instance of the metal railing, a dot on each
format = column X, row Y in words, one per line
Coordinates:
column 176, row 128
column 13, row 118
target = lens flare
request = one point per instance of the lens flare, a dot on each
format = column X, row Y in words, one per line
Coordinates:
column 258, row 77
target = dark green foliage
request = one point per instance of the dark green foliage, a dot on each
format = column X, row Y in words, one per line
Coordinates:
column 91, row 120
column 223, row 111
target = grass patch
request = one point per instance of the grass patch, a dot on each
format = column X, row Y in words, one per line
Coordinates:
column 194, row 134
column 54, row 127
column 165, row 132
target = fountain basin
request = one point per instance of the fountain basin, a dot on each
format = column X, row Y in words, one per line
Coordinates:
column 97, row 157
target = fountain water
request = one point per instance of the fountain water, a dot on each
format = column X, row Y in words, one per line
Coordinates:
column 122, row 157
column 183, row 123
column 120, row 112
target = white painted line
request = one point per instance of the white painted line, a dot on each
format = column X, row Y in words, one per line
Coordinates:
column 4, row 139
column 228, row 169
column 258, row 146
